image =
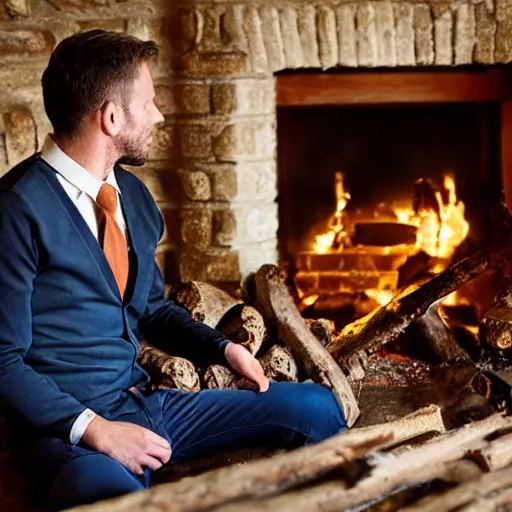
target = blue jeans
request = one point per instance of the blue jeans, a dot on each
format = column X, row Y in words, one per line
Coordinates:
column 195, row 424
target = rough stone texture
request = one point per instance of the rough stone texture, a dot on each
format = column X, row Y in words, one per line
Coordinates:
column 224, row 227
column 274, row 46
column 13, row 9
column 443, row 36
column 385, row 34
column 20, row 136
column 214, row 265
column 464, row 34
column 196, row 227
column 192, row 98
column 256, row 44
column 404, row 19
column 291, row 38
column 347, row 41
column 485, row 35
column 196, row 185
column 306, row 21
column 366, row 36
column 503, row 51
column 14, row 42
column 327, row 35
column 424, row 35
column 244, row 97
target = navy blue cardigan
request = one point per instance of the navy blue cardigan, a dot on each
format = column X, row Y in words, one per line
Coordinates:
column 67, row 340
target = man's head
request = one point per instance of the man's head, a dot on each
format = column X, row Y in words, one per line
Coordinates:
column 99, row 81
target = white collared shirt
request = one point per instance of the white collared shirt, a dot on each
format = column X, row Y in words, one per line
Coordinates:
column 83, row 189
column 81, row 186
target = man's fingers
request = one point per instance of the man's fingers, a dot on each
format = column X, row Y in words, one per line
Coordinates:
column 160, row 441
column 151, row 462
column 162, row 454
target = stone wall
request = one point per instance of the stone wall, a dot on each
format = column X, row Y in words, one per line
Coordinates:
column 212, row 164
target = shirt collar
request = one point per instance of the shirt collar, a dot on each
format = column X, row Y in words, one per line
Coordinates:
column 73, row 172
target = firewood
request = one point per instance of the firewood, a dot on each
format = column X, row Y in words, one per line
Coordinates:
column 278, row 365
column 384, row 233
column 496, row 455
column 466, row 494
column 268, row 476
column 169, row 371
column 410, row 466
column 279, row 310
column 388, row 322
column 439, row 336
column 496, row 326
column 244, row 325
column 217, row 376
column 206, row 303
column 322, row 328
column 498, row 500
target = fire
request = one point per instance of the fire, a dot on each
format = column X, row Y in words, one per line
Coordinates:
column 383, row 297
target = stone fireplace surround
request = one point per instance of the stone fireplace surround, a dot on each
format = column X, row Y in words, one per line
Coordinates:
column 212, row 165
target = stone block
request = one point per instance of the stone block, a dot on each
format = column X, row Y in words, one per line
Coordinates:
column 164, row 99
column 385, row 34
column 196, row 185
column 138, row 27
column 164, row 185
column 253, row 256
column 19, row 42
column 503, row 51
column 13, row 9
column 172, row 226
column 306, row 21
column 219, row 265
column 485, row 35
column 192, row 99
column 196, row 226
column 424, row 35
column 163, row 143
column 232, row 28
column 20, row 135
column 405, row 53
column 327, row 37
column 464, row 34
column 224, row 227
column 114, row 25
column 210, row 28
column 254, row 32
column 255, row 223
column 256, row 181
column 347, row 38
column 77, row 6
column 271, row 30
column 196, row 140
column 224, row 183
column 244, row 97
column 443, row 37
column 208, row 64
column 291, row 38
column 254, row 140
column 366, row 36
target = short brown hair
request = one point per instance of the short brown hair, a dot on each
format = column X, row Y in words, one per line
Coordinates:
column 87, row 69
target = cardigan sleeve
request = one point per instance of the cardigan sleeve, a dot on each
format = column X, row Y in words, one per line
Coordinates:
column 25, row 393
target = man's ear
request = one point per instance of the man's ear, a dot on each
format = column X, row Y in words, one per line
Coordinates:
column 111, row 118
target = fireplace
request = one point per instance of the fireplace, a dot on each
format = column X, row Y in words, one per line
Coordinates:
column 377, row 169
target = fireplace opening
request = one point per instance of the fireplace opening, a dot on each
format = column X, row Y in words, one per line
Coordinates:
column 378, row 194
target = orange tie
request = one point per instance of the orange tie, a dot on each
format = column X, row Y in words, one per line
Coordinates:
column 114, row 242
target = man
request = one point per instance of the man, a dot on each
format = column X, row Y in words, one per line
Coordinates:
column 79, row 287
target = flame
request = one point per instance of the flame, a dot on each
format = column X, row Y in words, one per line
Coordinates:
column 383, row 297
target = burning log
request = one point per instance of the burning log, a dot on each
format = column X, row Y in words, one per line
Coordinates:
column 217, row 376
column 496, row 326
column 322, row 328
column 169, row 371
column 278, row 307
column 388, row 322
column 488, row 490
column 406, row 466
column 283, row 471
column 206, row 303
column 278, row 365
column 384, row 233
column 244, row 325
column 440, row 337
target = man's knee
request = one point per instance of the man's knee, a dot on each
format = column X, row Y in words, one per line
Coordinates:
column 91, row 478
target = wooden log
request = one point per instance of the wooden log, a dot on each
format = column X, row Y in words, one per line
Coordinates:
column 244, row 325
column 384, row 234
column 278, row 365
column 217, row 376
column 169, row 371
column 496, row 455
column 466, row 494
column 206, row 303
column 322, row 329
column 495, row 501
column 278, row 308
column 496, row 326
column 409, row 466
column 388, row 322
column 440, row 337
column 281, row 472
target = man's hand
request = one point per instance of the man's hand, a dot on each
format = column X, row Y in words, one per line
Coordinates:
column 245, row 364
column 133, row 446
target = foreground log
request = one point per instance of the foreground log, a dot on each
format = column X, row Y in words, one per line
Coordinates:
column 206, row 303
column 439, row 336
column 169, row 371
column 488, row 484
column 278, row 307
column 497, row 455
column 278, row 365
column 244, row 325
column 408, row 466
column 217, row 376
column 322, row 328
column 385, row 324
column 269, row 476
